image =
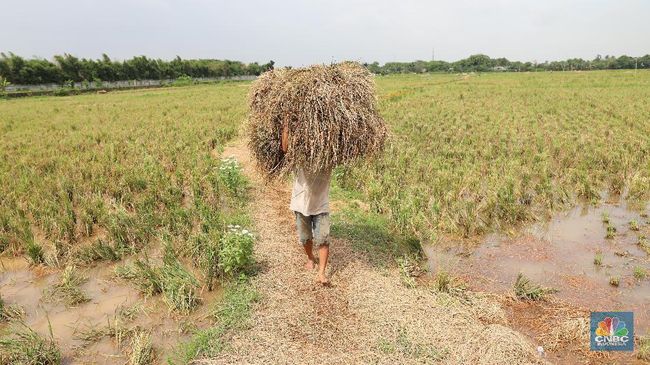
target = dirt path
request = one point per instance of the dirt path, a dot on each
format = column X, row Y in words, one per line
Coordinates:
column 368, row 316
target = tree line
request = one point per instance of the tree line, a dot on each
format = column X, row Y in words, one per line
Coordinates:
column 483, row 63
column 63, row 69
column 67, row 68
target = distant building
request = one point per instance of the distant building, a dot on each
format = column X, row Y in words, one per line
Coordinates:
column 499, row 68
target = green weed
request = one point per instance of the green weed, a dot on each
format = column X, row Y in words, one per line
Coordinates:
column 10, row 312
column 611, row 231
column 409, row 269
column 26, row 347
column 35, row 253
column 605, row 217
column 232, row 177
column 68, row 289
column 445, row 282
column 99, row 250
column 644, row 245
column 179, row 287
column 171, row 279
column 634, row 225
column 639, row 273
column 405, row 345
column 614, row 281
column 232, row 313
column 527, row 290
column 235, row 250
column 598, row 258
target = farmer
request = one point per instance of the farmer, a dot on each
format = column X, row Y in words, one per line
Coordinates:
column 310, row 203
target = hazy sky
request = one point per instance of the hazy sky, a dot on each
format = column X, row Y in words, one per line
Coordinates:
column 294, row 32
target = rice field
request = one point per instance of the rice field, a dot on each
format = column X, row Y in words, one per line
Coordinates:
column 110, row 198
column 469, row 155
column 133, row 183
column 118, row 168
column 474, row 154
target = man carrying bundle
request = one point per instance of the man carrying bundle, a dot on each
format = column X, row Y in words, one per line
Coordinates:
column 305, row 122
column 310, row 203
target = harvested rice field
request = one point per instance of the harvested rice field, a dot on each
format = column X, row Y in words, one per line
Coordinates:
column 135, row 228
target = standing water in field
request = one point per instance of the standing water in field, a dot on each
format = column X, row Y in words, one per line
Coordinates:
column 597, row 257
column 96, row 330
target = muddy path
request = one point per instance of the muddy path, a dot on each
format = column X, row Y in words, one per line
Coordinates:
column 368, row 315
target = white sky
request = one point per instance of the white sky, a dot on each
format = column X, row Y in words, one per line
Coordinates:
column 294, row 32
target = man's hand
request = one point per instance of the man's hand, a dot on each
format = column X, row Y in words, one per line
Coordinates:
column 284, row 143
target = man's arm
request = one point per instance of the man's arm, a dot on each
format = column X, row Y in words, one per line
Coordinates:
column 284, row 143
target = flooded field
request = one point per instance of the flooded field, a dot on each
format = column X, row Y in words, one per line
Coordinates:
column 96, row 331
column 597, row 257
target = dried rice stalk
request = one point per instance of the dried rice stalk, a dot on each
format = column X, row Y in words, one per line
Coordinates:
column 331, row 113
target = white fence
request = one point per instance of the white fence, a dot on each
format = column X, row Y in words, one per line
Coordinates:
column 119, row 84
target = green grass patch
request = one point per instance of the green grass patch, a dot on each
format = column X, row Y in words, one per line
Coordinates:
column 404, row 344
column 231, row 313
column 445, row 282
column 644, row 245
column 370, row 233
column 598, row 259
column 610, row 231
column 99, row 250
column 235, row 252
column 26, row 347
column 639, row 273
column 10, row 312
column 525, row 289
column 171, row 279
column 68, row 288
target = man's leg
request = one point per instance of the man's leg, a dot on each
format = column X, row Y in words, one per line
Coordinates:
column 303, row 226
column 323, row 254
column 321, row 234
column 309, row 265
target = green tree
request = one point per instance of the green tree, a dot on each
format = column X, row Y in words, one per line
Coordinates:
column 3, row 84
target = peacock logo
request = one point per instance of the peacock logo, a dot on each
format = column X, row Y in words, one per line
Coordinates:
column 610, row 332
column 611, row 326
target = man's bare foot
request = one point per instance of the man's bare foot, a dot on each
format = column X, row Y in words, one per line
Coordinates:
column 310, row 265
column 323, row 279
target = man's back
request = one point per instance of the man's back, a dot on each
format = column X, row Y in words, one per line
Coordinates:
column 310, row 195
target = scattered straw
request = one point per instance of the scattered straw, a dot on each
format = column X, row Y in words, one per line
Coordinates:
column 141, row 349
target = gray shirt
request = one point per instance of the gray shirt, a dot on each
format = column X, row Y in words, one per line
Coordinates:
column 310, row 195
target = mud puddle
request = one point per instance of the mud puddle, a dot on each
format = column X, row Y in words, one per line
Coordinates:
column 561, row 254
column 74, row 327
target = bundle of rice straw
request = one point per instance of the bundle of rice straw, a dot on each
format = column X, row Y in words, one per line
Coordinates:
column 330, row 111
